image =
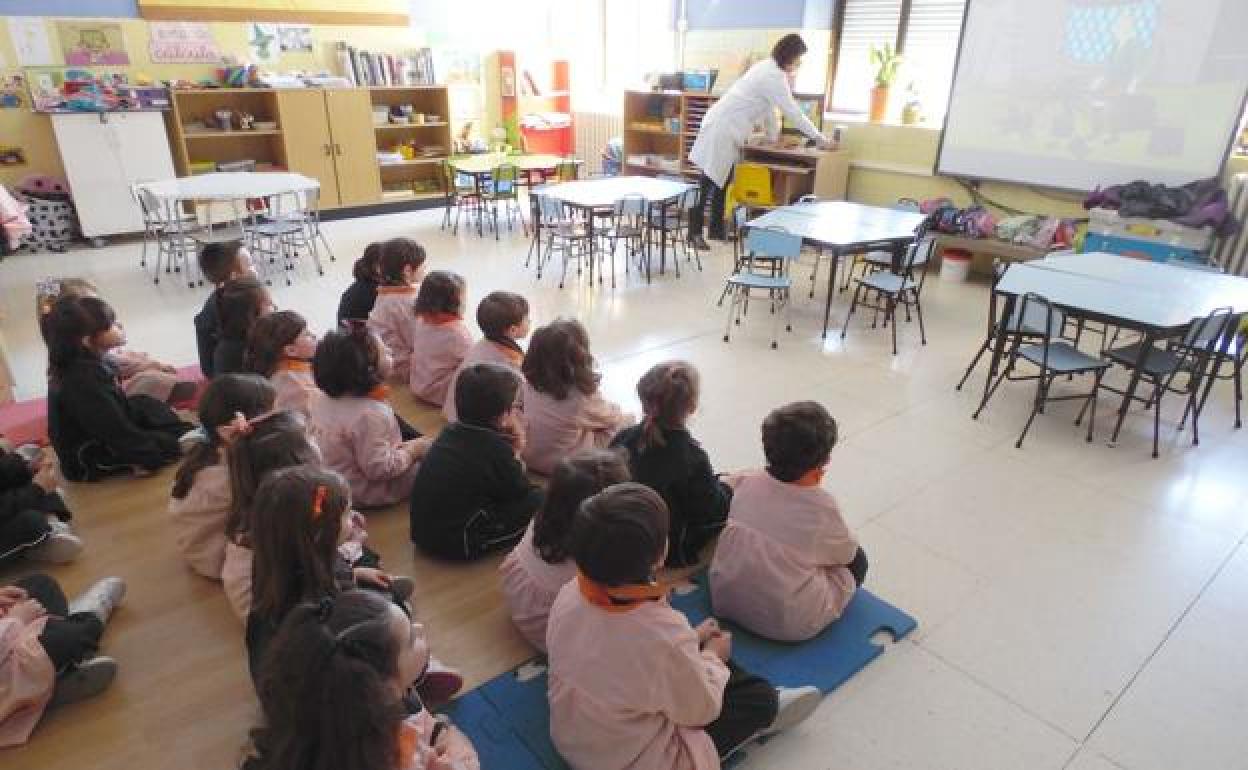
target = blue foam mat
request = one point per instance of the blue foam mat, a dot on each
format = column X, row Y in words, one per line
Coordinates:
column 508, row 719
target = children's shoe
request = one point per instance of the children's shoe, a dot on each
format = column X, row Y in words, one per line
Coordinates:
column 59, row 546
column 85, row 680
column 794, row 705
column 101, row 598
column 402, row 587
column 439, row 684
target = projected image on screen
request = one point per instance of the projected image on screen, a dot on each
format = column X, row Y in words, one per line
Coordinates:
column 1080, row 93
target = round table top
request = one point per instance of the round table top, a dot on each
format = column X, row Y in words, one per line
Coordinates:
column 487, row 162
column 232, row 185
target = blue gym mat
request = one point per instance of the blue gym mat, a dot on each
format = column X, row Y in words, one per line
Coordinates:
column 508, row 719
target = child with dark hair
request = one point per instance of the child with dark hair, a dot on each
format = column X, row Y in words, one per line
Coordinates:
column 281, row 347
column 664, row 456
column 504, row 320
column 342, row 665
column 632, row 684
column 541, row 563
column 355, row 426
column 47, row 649
column 563, row 410
column 787, row 565
column 440, row 338
column 358, row 299
column 94, row 426
column 240, row 304
column 471, row 495
column 200, row 502
column 219, row 263
column 402, row 268
column 34, row 519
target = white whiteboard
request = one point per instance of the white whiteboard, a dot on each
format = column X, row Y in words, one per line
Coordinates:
column 1078, row 93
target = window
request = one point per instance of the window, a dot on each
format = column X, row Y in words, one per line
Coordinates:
column 926, row 32
column 612, row 45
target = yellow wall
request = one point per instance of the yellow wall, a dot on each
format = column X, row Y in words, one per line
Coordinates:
column 33, row 132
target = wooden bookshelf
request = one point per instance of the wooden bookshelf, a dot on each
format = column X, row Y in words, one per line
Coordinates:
column 419, row 177
column 662, row 125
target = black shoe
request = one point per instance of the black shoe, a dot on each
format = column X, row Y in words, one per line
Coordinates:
column 698, row 242
column 717, row 236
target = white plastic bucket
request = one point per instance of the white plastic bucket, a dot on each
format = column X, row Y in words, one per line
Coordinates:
column 955, row 265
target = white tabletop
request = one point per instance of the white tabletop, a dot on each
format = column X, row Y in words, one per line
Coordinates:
column 1135, row 291
column 842, row 224
column 233, row 185
column 486, row 163
column 605, row 191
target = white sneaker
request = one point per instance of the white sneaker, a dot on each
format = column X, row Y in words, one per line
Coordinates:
column 794, row 706
column 101, row 598
column 85, row 680
column 59, row 546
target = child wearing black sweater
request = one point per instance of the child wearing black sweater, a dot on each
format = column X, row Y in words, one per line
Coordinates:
column 664, row 456
column 471, row 495
column 358, row 299
column 34, row 520
column 219, row 263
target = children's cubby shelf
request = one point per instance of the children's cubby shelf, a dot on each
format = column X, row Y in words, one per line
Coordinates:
column 659, row 128
column 366, row 146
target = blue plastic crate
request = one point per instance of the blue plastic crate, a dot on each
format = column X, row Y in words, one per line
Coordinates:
column 1140, row 249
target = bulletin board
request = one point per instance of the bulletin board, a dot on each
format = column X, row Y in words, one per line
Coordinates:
column 370, row 12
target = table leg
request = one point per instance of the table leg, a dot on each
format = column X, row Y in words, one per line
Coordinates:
column 590, row 229
column 663, row 238
column 649, row 240
column 827, row 304
column 998, row 348
column 1146, row 345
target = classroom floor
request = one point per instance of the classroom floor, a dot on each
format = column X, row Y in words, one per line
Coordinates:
column 1079, row 606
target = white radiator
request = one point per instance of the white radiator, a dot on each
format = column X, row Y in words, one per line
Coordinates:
column 593, row 129
column 1231, row 252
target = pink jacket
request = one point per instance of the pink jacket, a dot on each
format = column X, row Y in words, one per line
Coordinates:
column 392, row 319
column 14, row 224
column 483, row 351
column 530, row 586
column 236, row 578
column 141, row 375
column 779, row 567
column 437, row 351
column 199, row 520
column 27, row 679
column 415, row 752
column 359, row 438
column 295, row 388
column 557, row 428
column 630, row 690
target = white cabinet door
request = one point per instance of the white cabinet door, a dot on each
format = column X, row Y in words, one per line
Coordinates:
column 103, row 155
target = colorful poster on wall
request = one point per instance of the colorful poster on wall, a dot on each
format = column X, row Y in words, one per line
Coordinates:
column 30, row 41
column 295, row 38
column 182, row 42
column 394, row 13
column 92, row 43
column 12, row 92
column 262, row 40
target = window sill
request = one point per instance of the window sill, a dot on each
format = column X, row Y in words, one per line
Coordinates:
column 890, row 168
column 833, row 118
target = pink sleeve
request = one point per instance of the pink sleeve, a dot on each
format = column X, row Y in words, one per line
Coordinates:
column 597, row 413
column 690, row 681
column 376, row 446
column 836, row 546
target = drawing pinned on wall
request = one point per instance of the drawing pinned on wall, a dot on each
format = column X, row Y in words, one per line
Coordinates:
column 263, row 42
column 182, row 42
column 92, row 43
column 30, row 39
column 12, row 91
column 295, row 38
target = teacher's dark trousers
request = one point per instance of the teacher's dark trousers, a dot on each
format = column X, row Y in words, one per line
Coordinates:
column 708, row 189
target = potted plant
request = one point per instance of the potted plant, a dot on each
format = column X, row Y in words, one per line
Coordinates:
column 885, row 61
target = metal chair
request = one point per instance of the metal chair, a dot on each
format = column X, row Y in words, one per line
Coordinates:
column 888, row 290
column 1015, row 325
column 283, row 233
column 765, row 246
column 628, row 223
column 1054, row 358
column 1191, row 356
column 308, row 213
column 563, row 233
column 503, row 189
column 458, row 191
column 165, row 226
column 1232, row 352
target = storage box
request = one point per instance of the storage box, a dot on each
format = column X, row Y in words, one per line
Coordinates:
column 1140, row 248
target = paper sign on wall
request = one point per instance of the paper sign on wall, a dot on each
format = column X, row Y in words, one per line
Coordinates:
column 262, row 40
column 30, row 41
column 295, row 38
column 183, row 42
column 92, row 43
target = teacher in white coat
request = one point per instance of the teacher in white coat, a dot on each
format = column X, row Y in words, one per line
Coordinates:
column 764, row 88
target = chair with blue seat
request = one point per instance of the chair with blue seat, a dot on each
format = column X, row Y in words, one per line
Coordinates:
column 503, row 189
column 887, row 290
column 565, row 234
column 628, row 224
column 770, row 253
column 459, row 192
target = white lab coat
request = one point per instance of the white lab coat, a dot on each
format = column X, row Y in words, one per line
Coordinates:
column 754, row 98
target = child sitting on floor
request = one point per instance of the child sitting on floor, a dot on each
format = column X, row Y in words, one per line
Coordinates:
column 343, row 664
column 94, row 426
column 34, row 520
column 140, row 374
column 355, row 426
column 632, row 684
column 199, row 504
column 240, row 304
column 664, row 456
column 440, row 338
column 471, row 495
column 540, row 564
column 402, row 268
column 504, row 320
column 47, row 649
column 563, row 410
column 358, row 299
column 219, row 263
column 281, row 347
column 786, row 564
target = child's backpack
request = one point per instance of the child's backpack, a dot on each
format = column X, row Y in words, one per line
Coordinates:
column 51, row 213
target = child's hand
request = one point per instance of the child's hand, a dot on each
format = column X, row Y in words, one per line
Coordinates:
column 10, row 595
column 417, row 448
column 371, row 576
column 359, row 527
column 46, row 477
column 27, row 611
column 732, row 480
column 706, row 629
column 720, row 643
column 455, row 751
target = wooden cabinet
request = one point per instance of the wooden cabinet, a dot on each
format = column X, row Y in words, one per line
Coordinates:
column 309, row 149
column 355, row 154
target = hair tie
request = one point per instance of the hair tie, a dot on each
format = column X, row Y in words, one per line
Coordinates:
column 240, row 425
column 357, row 326
column 318, row 501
